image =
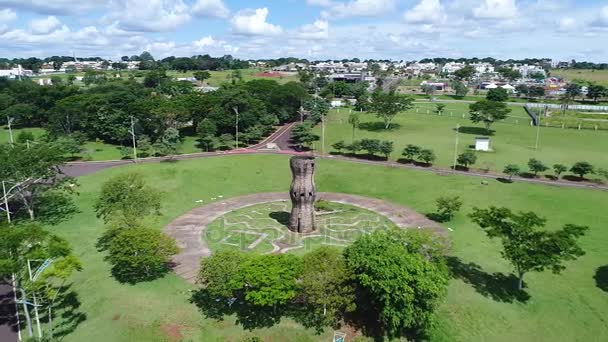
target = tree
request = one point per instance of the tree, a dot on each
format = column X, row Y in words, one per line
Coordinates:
column 327, row 287
column 70, row 144
column 25, row 136
column 465, row 73
column 317, row 107
column 386, row 148
column 525, row 247
column 169, row 142
column 127, row 196
column 140, row 254
column 467, row 158
column 460, row 89
column 498, row 95
column 372, row 146
column 354, row 121
column 269, row 280
column 596, row 91
column 388, row 105
column 508, row 73
column 207, row 130
column 226, row 141
column 428, row 89
column 354, row 147
column 572, row 91
column 219, row 273
column 427, row 156
column 536, row 166
column 537, row 91
column 202, row 75
column 339, row 146
column 439, row 107
column 511, row 170
column 558, row 169
column 581, row 169
column 537, row 76
column 488, row 112
column 411, row 151
column 402, row 277
column 522, row 89
column 302, row 135
column 447, row 207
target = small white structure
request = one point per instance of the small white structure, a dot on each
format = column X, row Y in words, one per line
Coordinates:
column 491, row 86
column 509, row 88
column 336, row 103
column 482, row 144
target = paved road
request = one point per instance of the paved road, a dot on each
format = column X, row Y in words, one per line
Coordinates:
column 8, row 320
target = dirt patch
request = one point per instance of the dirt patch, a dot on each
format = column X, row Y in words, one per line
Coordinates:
column 116, row 317
column 172, row 331
column 268, row 74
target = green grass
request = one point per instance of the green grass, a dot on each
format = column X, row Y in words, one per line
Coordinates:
column 220, row 77
column 5, row 134
column 513, row 141
column 596, row 76
column 568, row 307
column 267, row 222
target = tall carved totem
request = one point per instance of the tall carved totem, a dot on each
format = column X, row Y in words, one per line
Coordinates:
column 303, row 194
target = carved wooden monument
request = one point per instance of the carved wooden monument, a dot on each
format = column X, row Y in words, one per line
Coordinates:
column 303, row 194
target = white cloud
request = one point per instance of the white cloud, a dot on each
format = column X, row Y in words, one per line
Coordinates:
column 322, row 3
column 496, row 9
column 427, row 11
column 317, row 30
column 58, row 7
column 45, row 26
column 205, row 42
column 6, row 16
column 211, row 8
column 149, row 15
column 602, row 18
column 359, row 8
column 567, row 24
column 253, row 22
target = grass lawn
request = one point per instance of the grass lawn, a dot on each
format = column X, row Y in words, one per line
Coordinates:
column 597, row 76
column 513, row 141
column 5, row 134
column 568, row 307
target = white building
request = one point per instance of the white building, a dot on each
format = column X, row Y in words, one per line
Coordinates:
column 16, row 72
column 451, row 67
column 418, row 68
column 527, row 70
column 483, row 68
column 482, row 144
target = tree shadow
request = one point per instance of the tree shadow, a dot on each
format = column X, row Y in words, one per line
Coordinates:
column 55, row 207
column 498, row 286
column 281, row 217
column 601, row 278
column 378, row 126
column 248, row 316
column 437, row 217
column 475, row 131
column 504, row 180
column 573, row 178
column 66, row 314
column 528, row 175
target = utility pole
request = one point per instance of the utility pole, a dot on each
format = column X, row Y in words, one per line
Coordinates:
column 236, row 125
column 133, row 139
column 36, row 315
column 456, row 148
column 9, row 122
column 8, row 213
column 538, row 131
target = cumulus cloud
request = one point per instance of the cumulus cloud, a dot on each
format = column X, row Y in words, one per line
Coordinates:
column 57, row 7
column 210, row 8
column 45, row 26
column 496, row 9
column 427, row 11
column 323, row 3
column 149, row 15
column 253, row 22
column 602, row 18
column 567, row 24
column 317, row 30
column 6, row 16
column 359, row 8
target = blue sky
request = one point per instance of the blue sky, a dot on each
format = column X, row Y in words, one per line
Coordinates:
column 314, row 29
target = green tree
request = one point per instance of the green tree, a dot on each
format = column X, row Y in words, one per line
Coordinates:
column 596, row 91
column 498, row 95
column 511, row 170
column 207, row 130
column 302, row 135
column 354, row 120
column 202, row 75
column 428, row 89
column 387, row 105
column 466, row 159
column 25, row 136
column 427, row 156
column 537, row 76
column 140, row 254
column 70, row 144
column 226, row 141
column 411, row 151
column 127, row 196
column 581, row 169
column 524, row 246
column 465, row 73
column 402, row 276
column 269, row 280
column 339, row 146
column 460, row 89
column 558, row 169
column 327, row 287
column 439, row 107
column 354, row 147
column 169, row 142
column 372, row 146
column 447, row 206
column 386, row 148
column 508, row 73
column 536, row 166
column 219, row 274
column 488, row 112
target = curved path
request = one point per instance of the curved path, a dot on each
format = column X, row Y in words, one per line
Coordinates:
column 188, row 229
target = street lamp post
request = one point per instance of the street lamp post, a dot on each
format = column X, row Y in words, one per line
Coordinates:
column 9, row 122
column 236, row 125
column 6, row 208
column 456, row 148
column 132, row 131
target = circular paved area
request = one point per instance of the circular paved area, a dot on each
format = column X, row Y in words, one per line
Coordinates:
column 188, row 229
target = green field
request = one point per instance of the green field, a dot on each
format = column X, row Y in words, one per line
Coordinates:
column 262, row 228
column 513, row 141
column 567, row 307
column 596, row 76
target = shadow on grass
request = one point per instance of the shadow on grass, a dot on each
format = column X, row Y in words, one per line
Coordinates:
column 437, row 217
column 55, row 207
column 528, row 175
column 498, row 286
column 504, row 180
column 413, row 162
column 573, row 178
column 475, row 131
column 378, row 126
column 601, row 278
column 282, row 217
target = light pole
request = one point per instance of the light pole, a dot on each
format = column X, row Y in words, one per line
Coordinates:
column 236, row 125
column 538, row 131
column 6, row 208
column 132, row 131
column 456, row 148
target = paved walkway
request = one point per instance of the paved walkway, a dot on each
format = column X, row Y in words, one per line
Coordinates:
column 188, row 229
